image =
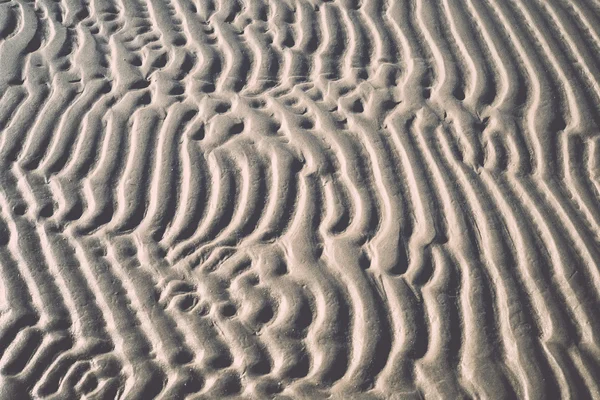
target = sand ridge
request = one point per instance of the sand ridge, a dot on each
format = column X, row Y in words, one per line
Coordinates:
column 299, row 199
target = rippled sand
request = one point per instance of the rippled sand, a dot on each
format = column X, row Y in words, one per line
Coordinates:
column 376, row 199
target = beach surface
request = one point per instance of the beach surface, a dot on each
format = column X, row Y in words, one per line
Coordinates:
column 299, row 199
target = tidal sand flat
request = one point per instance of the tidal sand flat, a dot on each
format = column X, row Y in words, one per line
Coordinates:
column 299, row 199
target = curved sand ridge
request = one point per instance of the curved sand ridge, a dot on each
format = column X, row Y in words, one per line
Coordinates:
column 363, row 199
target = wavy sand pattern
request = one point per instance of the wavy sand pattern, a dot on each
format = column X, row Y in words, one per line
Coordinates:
column 371, row 199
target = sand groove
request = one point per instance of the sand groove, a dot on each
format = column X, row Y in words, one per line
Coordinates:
column 299, row 199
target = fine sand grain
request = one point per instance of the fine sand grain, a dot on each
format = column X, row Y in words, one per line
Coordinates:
column 297, row 199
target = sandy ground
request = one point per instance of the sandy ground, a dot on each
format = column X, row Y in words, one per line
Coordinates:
column 368, row 199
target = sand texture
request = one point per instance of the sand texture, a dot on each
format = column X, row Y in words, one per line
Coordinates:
column 299, row 199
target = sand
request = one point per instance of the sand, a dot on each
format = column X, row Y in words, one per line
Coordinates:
column 297, row 199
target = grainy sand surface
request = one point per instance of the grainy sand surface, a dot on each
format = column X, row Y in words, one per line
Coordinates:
column 297, row 199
